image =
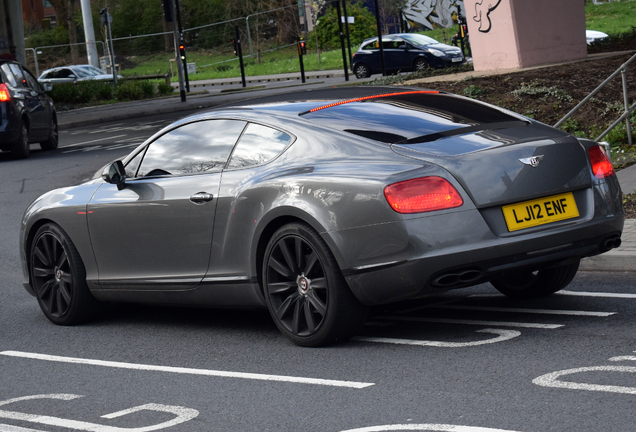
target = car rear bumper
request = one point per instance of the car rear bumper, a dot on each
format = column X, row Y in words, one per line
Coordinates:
column 478, row 262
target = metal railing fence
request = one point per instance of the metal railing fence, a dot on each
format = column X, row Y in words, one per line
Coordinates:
column 628, row 109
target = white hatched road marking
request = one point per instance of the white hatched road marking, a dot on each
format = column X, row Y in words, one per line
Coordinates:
column 190, row 371
column 426, row 427
column 9, row 428
column 504, row 335
column 91, row 141
column 182, row 414
column 596, row 294
column 552, row 379
column 530, row 311
column 472, row 322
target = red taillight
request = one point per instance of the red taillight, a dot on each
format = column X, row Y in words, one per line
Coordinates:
column 4, row 93
column 601, row 165
column 422, row 195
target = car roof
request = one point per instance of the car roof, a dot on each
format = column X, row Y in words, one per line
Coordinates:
column 385, row 114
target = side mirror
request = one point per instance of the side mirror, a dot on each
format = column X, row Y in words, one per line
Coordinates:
column 115, row 173
column 47, row 86
column 404, row 47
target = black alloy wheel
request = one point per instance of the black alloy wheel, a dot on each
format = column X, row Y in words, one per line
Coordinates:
column 58, row 277
column 53, row 139
column 362, row 71
column 536, row 284
column 21, row 148
column 305, row 292
column 420, row 64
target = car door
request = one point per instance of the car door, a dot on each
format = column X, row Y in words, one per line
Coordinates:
column 34, row 102
column 156, row 232
column 42, row 110
column 395, row 57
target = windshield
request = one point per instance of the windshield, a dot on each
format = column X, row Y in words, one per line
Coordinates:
column 420, row 40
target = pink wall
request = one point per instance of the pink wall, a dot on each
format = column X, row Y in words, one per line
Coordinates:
column 506, row 34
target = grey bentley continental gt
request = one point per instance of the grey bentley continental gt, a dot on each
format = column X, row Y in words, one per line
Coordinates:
column 319, row 204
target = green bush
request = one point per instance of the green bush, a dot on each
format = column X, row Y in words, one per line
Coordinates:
column 88, row 91
column 328, row 29
column 164, row 89
column 128, row 90
column 147, row 88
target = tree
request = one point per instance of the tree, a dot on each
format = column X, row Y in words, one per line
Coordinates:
column 329, row 32
column 390, row 11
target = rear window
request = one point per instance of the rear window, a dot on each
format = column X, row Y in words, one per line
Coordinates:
column 409, row 117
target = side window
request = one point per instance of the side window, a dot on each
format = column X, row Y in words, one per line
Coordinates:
column 194, row 148
column 17, row 72
column 33, row 83
column 259, row 144
column 133, row 164
column 7, row 75
column 371, row 46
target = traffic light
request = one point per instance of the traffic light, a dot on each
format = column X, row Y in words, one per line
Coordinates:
column 302, row 47
column 182, row 51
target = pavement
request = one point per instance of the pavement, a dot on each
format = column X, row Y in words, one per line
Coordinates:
column 212, row 93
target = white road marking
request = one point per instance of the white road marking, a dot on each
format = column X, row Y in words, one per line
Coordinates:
column 504, row 335
column 190, row 371
column 472, row 322
column 530, row 311
column 9, row 428
column 182, row 414
column 426, row 427
column 596, row 294
column 92, row 141
column 622, row 358
column 552, row 379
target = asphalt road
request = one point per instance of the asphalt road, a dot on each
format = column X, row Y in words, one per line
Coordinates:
column 470, row 360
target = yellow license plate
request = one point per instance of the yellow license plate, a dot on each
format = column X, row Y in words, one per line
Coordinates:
column 540, row 211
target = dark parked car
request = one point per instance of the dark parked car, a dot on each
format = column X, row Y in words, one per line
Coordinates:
column 320, row 204
column 27, row 114
column 403, row 52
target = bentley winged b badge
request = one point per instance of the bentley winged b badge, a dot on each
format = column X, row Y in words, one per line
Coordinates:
column 532, row 161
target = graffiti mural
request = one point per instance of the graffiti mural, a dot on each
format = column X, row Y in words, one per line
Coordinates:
column 432, row 14
column 482, row 13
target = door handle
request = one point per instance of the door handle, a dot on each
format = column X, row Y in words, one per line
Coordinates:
column 201, row 197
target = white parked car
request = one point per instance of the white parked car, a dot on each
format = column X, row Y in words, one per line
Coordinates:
column 75, row 73
column 593, row 36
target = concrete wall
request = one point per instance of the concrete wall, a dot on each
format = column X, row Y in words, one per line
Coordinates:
column 506, row 34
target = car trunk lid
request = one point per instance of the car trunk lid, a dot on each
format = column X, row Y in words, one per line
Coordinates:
column 513, row 164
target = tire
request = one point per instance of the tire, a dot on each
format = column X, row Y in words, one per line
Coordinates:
column 420, row 64
column 52, row 140
column 361, row 71
column 305, row 292
column 21, row 148
column 536, row 284
column 58, row 278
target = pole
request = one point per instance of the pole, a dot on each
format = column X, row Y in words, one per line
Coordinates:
column 240, row 54
column 89, row 33
column 377, row 21
column 110, row 44
column 346, row 23
column 342, row 43
column 175, row 27
column 182, row 41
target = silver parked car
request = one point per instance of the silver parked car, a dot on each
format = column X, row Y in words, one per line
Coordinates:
column 75, row 73
column 320, row 204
